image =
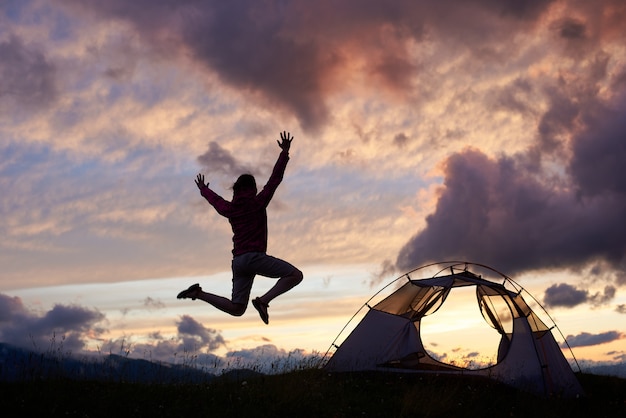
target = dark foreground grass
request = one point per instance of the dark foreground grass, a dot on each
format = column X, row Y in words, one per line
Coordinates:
column 308, row 393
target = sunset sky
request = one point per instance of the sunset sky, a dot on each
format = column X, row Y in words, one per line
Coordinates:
column 492, row 131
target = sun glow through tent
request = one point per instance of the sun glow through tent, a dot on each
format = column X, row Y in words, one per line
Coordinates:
column 388, row 338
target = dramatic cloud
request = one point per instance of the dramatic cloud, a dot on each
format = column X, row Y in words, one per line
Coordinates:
column 63, row 327
column 197, row 335
column 294, row 54
column 599, row 154
column 568, row 296
column 564, row 295
column 510, row 213
column 586, row 339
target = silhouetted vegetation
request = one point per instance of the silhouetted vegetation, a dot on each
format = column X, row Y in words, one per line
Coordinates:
column 307, row 392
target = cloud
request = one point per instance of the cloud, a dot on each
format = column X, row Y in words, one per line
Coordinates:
column 192, row 343
column 494, row 211
column 294, row 56
column 585, row 339
column 386, row 269
column 244, row 43
column 406, row 71
column 27, row 78
column 197, row 334
column 621, row 357
column 602, row 298
column 599, row 153
column 71, row 328
column 568, row 296
column 198, row 351
column 268, row 358
column 151, row 304
column 65, row 327
column 564, row 295
column 515, row 214
column 217, row 160
column 571, row 28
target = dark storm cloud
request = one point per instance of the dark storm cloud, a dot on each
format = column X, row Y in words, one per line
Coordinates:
column 293, row 54
column 242, row 41
column 568, row 296
column 585, row 339
column 508, row 213
column 192, row 331
column 63, row 326
column 496, row 212
column 217, row 160
column 564, row 295
column 600, row 152
column 26, row 76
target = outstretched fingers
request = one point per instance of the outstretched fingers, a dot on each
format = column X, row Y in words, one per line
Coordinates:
column 200, row 181
column 286, row 140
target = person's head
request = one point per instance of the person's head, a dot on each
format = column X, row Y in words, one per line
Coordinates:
column 244, row 182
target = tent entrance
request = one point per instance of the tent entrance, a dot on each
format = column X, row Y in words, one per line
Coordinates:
column 459, row 335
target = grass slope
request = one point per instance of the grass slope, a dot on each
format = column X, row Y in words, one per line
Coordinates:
column 308, row 393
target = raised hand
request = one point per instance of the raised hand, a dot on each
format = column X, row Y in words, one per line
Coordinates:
column 200, row 182
column 286, row 141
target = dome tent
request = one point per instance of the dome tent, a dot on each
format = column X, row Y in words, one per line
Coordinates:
column 388, row 337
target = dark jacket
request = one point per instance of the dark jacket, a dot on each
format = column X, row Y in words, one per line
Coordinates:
column 247, row 212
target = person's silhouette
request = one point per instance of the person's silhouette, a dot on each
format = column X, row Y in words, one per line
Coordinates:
column 248, row 218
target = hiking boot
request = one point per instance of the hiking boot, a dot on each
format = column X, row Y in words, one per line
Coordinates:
column 190, row 292
column 262, row 308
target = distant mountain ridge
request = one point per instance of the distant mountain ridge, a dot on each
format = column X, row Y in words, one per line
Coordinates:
column 617, row 370
column 19, row 364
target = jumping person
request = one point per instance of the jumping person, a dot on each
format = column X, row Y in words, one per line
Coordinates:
column 248, row 218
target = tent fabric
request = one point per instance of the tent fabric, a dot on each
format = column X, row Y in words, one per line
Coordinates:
column 388, row 337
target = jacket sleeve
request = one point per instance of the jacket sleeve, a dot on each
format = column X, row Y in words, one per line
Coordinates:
column 220, row 204
column 277, row 176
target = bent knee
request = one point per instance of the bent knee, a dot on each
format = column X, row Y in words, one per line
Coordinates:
column 238, row 309
column 297, row 276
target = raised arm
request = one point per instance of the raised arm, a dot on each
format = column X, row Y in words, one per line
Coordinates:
column 279, row 168
column 221, row 206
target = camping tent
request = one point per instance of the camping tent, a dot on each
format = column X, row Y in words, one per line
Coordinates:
column 389, row 338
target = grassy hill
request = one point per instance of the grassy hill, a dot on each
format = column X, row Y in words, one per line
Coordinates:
column 51, row 385
column 307, row 393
